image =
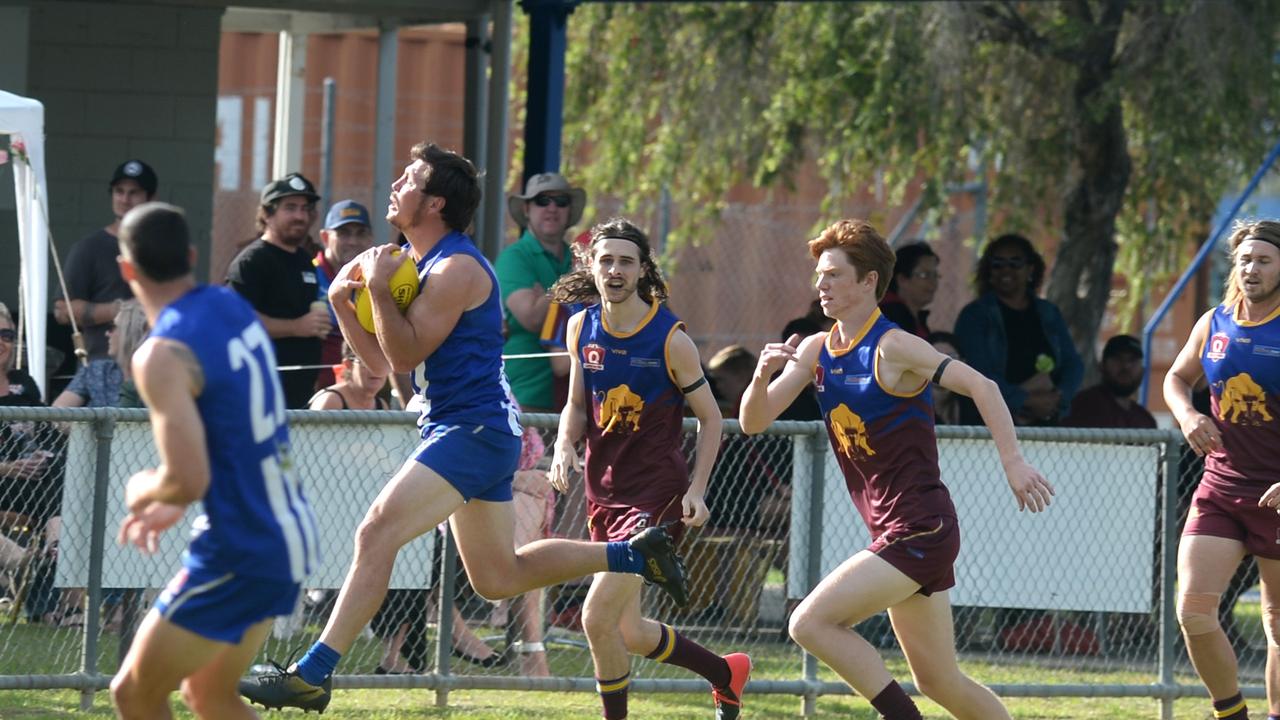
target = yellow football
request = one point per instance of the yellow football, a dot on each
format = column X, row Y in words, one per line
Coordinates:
column 404, row 288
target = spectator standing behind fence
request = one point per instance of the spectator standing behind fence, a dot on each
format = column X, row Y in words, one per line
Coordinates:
column 93, row 277
column 633, row 369
column 1236, row 347
column 526, row 270
column 217, row 414
column 346, row 234
column 915, row 282
column 276, row 275
column 1110, row 403
column 873, row 384
column 1018, row 339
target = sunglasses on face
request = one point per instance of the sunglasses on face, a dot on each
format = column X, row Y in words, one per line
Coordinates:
column 1013, row 263
column 561, row 201
column 8, row 335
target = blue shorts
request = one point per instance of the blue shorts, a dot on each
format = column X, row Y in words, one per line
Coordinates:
column 222, row 606
column 479, row 462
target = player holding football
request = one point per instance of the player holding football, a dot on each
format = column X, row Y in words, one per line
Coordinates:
column 450, row 339
column 873, row 383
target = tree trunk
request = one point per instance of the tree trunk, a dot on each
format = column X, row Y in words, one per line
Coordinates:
column 1080, row 283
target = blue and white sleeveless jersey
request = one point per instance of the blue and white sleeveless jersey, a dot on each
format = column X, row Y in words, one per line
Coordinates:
column 463, row 381
column 257, row 521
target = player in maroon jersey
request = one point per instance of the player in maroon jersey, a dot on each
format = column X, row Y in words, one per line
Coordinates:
column 873, row 383
column 633, row 367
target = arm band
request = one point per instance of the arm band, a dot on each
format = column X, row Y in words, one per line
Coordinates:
column 694, row 386
column 937, row 374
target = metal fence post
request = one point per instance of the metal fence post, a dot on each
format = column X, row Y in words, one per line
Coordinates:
column 444, row 622
column 104, row 429
column 1169, row 569
column 813, row 573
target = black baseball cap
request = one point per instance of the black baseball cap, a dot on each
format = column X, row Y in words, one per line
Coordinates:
column 1126, row 344
column 291, row 184
column 139, row 172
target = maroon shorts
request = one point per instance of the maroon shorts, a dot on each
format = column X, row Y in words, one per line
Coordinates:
column 609, row 524
column 925, row 553
column 1219, row 514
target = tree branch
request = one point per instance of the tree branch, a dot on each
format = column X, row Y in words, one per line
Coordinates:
column 1008, row 26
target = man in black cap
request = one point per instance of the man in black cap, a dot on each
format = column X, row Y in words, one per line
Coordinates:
column 1110, row 403
column 276, row 275
column 93, row 278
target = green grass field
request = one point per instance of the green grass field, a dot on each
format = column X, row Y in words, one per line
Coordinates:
column 46, row 651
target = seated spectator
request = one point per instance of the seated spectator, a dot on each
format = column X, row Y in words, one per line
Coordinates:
column 947, row 406
column 1110, row 403
column 126, row 335
column 1017, row 339
column 357, row 387
column 31, row 455
column 914, row 283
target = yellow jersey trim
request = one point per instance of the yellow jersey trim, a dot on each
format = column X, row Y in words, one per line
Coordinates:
column 857, row 338
column 604, row 322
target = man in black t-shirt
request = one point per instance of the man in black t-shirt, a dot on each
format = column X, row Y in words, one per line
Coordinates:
column 276, row 275
column 93, row 278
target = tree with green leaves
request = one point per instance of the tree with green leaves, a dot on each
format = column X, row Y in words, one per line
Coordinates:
column 1125, row 120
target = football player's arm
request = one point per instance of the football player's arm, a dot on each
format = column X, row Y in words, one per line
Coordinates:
column 1201, row 434
column 169, row 378
column 918, row 361
column 764, row 400
column 362, row 342
column 573, row 418
column 456, row 284
column 687, row 371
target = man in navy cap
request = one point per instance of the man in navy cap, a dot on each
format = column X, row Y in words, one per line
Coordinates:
column 93, row 278
column 276, row 275
column 346, row 234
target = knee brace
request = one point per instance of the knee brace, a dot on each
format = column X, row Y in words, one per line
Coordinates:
column 1198, row 613
column 1271, row 621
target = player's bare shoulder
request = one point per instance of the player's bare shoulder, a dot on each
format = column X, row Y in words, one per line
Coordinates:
column 162, row 363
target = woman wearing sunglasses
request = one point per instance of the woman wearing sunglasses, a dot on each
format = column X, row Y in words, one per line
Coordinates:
column 1018, row 339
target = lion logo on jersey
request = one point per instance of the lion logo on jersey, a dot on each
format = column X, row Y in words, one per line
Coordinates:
column 619, row 411
column 1242, row 396
column 850, row 433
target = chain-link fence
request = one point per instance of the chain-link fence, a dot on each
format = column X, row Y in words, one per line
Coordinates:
column 1086, row 586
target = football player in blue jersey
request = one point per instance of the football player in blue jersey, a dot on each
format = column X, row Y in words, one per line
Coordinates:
column 450, row 340
column 208, row 374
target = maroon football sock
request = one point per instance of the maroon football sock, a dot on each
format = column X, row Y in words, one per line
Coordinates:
column 1232, row 708
column 613, row 695
column 893, row 703
column 676, row 649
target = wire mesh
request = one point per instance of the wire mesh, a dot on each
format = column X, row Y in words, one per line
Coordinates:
column 1080, row 588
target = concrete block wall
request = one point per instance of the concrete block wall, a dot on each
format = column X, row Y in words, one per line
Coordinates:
column 120, row 81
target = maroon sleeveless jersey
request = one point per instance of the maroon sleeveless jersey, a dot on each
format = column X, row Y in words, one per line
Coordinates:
column 885, row 443
column 634, row 411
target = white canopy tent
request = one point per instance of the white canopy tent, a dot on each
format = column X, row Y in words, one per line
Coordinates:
column 24, row 117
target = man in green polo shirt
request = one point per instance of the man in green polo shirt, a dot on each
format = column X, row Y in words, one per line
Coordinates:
column 526, row 268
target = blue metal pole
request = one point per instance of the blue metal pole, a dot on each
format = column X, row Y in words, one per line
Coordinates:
column 544, row 112
column 1150, row 328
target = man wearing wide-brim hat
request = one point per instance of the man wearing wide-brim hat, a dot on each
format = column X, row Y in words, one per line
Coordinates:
column 525, row 269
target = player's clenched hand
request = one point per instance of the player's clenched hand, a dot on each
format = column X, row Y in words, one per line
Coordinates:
column 1029, row 486
column 563, row 462
column 696, row 513
column 1201, row 434
column 349, row 279
column 142, row 529
column 136, row 491
column 1271, row 498
column 380, row 262
column 776, row 355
